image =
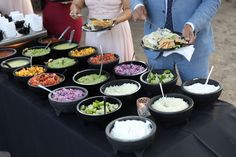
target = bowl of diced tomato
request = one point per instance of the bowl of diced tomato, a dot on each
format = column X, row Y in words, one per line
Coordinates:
column 109, row 60
column 48, row 80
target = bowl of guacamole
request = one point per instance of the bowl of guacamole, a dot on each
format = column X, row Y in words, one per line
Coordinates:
column 63, row 48
column 39, row 54
column 91, row 80
column 61, row 65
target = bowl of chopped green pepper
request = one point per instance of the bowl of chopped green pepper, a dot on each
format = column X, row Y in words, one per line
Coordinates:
column 150, row 81
column 39, row 54
column 92, row 109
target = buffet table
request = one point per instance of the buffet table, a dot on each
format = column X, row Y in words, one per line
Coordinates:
column 29, row 127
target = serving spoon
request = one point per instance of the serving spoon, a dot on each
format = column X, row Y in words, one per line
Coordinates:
column 72, row 33
column 8, row 65
column 100, row 71
column 105, row 101
column 209, row 75
column 131, row 62
column 48, row 44
column 45, row 88
column 162, row 92
column 64, row 32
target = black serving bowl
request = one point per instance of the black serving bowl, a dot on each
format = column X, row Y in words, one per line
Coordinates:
column 63, row 52
column 103, row 118
column 82, row 60
column 51, row 38
column 67, row 71
column 108, row 66
column 41, row 92
column 131, row 146
column 24, row 79
column 10, row 53
column 92, row 88
column 120, row 74
column 9, row 70
column 66, row 106
column 201, row 98
column 169, row 118
column 40, row 59
column 125, row 98
column 154, row 89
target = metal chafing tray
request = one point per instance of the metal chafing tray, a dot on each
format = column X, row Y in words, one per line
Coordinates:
column 22, row 38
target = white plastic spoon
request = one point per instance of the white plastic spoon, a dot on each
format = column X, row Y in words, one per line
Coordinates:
column 209, row 75
column 162, row 93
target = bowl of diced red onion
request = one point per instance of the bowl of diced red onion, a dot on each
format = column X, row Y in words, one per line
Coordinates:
column 130, row 70
column 65, row 99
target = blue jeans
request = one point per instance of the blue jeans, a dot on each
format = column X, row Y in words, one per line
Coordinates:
column 198, row 67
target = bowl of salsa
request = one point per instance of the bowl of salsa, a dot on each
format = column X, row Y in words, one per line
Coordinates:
column 45, row 40
column 49, row 80
column 6, row 53
column 109, row 60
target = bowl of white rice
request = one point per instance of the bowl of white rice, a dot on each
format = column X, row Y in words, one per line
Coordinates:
column 131, row 134
column 127, row 90
column 202, row 94
column 174, row 108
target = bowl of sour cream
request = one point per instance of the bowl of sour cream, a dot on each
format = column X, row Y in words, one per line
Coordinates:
column 174, row 108
column 131, row 134
column 202, row 93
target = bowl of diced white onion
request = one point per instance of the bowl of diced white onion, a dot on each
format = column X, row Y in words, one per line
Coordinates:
column 126, row 90
column 131, row 134
column 173, row 108
column 201, row 93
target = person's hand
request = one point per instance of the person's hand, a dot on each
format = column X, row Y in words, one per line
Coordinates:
column 74, row 11
column 188, row 34
column 66, row 2
column 139, row 14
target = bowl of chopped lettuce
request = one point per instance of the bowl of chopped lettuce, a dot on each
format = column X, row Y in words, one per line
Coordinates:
column 151, row 80
column 99, row 109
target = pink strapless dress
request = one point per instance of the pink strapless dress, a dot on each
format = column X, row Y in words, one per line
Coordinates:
column 119, row 38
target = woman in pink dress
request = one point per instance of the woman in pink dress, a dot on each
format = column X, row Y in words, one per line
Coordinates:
column 23, row 6
column 119, row 38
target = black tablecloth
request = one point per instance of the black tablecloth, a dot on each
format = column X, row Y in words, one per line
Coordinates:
column 29, row 127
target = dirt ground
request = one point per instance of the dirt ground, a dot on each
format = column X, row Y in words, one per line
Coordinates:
column 224, row 24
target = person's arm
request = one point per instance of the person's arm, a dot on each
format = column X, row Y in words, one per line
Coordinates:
column 200, row 18
column 139, row 11
column 126, row 14
column 204, row 13
column 134, row 3
column 75, row 8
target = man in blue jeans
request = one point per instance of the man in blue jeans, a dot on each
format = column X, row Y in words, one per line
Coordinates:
column 193, row 19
